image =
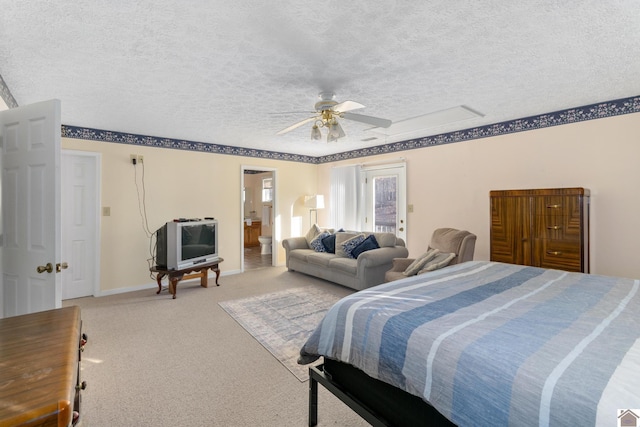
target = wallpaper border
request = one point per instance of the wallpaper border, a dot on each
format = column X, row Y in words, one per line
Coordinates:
column 562, row 117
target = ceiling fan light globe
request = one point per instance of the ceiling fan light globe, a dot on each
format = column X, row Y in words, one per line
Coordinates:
column 315, row 133
column 334, row 130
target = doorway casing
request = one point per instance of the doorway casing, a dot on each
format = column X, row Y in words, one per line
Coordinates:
column 275, row 227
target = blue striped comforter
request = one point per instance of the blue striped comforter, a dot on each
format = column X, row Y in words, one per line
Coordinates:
column 496, row 344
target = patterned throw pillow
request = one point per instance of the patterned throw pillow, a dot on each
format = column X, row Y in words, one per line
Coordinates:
column 316, row 244
column 367, row 244
column 342, row 238
column 420, row 262
column 351, row 244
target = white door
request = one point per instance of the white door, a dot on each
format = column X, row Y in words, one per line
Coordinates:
column 30, row 138
column 79, row 176
column 385, row 199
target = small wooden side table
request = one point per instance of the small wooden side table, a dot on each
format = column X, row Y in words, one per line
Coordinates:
column 192, row 272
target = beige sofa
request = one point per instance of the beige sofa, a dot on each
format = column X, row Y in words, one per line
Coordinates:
column 367, row 270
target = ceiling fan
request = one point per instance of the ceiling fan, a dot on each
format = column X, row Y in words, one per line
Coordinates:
column 328, row 111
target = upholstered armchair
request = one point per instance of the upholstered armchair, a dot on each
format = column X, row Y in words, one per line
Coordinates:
column 447, row 240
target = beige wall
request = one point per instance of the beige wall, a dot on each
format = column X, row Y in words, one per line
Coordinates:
column 448, row 185
column 183, row 184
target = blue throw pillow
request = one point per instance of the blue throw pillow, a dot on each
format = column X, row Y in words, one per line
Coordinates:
column 366, row 245
column 316, row 243
column 351, row 244
column 329, row 243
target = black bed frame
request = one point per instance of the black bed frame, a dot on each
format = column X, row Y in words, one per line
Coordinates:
column 379, row 403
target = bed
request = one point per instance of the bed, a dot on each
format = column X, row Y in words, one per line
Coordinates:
column 483, row 343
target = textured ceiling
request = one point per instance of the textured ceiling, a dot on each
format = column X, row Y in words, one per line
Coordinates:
column 229, row 72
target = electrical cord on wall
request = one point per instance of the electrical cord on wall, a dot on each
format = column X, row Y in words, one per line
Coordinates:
column 141, row 193
column 142, row 200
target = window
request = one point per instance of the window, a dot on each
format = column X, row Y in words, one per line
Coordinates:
column 267, row 190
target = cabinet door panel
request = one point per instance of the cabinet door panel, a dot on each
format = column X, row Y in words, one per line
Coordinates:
column 510, row 224
column 251, row 234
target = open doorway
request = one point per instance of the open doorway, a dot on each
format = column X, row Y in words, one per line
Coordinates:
column 258, row 226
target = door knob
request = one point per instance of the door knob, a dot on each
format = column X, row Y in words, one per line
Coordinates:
column 61, row 266
column 42, row 268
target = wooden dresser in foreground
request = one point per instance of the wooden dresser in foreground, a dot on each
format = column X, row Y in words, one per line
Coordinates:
column 546, row 228
column 40, row 368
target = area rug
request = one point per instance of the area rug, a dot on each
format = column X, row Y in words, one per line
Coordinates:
column 282, row 321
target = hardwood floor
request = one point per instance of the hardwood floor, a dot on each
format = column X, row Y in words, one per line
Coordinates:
column 254, row 260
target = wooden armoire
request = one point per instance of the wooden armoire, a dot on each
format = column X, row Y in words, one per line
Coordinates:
column 546, row 228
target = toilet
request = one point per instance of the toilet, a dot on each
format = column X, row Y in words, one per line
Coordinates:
column 265, row 244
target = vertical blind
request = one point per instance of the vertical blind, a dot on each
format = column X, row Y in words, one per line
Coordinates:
column 345, row 198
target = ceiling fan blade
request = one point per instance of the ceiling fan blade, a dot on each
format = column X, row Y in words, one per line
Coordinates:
column 297, row 125
column 347, row 106
column 282, row 113
column 375, row 121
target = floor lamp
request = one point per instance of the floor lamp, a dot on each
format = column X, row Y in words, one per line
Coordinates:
column 314, row 203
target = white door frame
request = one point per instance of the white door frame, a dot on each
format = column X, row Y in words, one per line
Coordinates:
column 96, row 211
column 380, row 170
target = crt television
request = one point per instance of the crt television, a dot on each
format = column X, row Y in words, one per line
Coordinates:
column 182, row 244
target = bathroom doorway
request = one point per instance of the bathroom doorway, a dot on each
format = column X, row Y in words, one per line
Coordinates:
column 258, row 202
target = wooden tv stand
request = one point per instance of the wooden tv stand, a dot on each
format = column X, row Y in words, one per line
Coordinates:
column 192, row 272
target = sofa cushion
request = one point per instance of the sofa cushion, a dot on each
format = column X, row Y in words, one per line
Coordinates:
column 347, row 265
column 312, row 233
column 419, row 263
column 440, row 260
column 367, row 244
column 301, row 254
column 341, row 238
column 329, row 243
column 351, row 244
column 320, row 258
column 385, row 240
column 448, row 240
column 316, row 244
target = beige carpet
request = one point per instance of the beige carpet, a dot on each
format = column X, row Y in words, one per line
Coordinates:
column 155, row 361
column 282, row 321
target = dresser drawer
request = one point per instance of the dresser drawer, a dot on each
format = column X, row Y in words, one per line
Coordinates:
column 558, row 254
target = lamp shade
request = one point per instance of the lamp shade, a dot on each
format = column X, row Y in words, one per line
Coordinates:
column 315, row 202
